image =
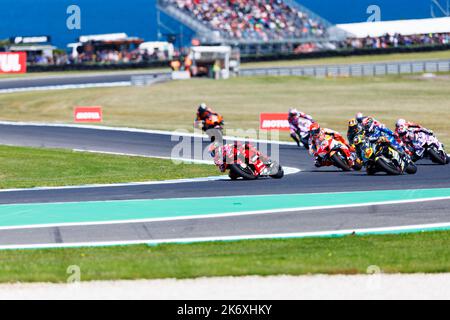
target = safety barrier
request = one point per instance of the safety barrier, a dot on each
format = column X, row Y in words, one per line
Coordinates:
column 354, row 70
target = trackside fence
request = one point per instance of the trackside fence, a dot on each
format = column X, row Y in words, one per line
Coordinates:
column 354, row 70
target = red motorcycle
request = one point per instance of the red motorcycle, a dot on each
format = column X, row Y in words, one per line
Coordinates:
column 245, row 161
column 335, row 153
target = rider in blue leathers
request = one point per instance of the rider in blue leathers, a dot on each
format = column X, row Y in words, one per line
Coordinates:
column 374, row 132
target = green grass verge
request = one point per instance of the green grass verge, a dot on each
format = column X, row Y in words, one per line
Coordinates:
column 31, row 167
column 406, row 253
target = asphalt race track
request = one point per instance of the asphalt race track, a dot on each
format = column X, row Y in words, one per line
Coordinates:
column 75, row 79
column 309, row 180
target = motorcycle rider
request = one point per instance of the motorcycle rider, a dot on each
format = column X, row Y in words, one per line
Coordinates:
column 300, row 123
column 408, row 133
column 374, row 132
column 355, row 130
column 209, row 120
column 206, row 116
column 225, row 154
column 317, row 136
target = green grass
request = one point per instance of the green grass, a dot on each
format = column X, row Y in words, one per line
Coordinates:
column 169, row 106
column 352, row 59
column 407, row 253
column 29, row 167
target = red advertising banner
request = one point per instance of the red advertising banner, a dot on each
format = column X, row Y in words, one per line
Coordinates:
column 88, row 114
column 274, row 121
column 13, row 62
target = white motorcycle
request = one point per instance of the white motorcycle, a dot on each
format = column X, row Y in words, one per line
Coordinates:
column 431, row 148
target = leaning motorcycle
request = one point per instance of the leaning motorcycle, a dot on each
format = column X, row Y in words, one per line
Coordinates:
column 430, row 148
column 247, row 164
column 212, row 126
column 381, row 156
column 333, row 152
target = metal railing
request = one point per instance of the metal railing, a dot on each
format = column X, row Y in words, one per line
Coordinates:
column 353, row 70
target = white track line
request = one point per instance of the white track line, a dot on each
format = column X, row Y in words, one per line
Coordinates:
column 212, row 216
column 332, row 233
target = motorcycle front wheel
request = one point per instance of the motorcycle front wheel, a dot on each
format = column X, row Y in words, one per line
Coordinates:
column 338, row 162
column 438, row 156
column 388, row 167
column 279, row 174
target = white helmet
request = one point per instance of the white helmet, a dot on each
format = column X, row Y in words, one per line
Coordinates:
column 400, row 123
column 293, row 112
column 401, row 127
column 359, row 117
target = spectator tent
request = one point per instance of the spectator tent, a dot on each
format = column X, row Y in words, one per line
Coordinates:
column 207, row 57
column 403, row 27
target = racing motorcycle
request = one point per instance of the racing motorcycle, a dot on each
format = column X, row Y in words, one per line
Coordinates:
column 381, row 156
column 431, row 148
column 212, row 126
column 333, row 152
column 247, row 163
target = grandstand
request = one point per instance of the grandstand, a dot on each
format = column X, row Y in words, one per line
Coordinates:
column 256, row 26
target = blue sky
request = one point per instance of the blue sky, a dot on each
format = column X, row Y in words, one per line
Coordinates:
column 138, row 17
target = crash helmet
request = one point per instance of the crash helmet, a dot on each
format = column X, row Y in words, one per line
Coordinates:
column 202, row 108
column 359, row 117
column 293, row 112
column 212, row 149
column 401, row 126
column 368, row 124
column 315, row 129
column 352, row 123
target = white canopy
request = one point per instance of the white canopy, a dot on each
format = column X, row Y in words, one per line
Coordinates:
column 104, row 37
column 403, row 27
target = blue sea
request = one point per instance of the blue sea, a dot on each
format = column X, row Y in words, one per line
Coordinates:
column 139, row 17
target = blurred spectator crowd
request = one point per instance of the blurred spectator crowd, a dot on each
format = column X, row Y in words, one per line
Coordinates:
column 261, row 20
column 396, row 40
column 98, row 57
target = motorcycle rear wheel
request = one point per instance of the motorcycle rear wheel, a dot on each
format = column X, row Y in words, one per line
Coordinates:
column 237, row 170
column 233, row 176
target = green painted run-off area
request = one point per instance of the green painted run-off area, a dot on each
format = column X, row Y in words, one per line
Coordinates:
column 102, row 211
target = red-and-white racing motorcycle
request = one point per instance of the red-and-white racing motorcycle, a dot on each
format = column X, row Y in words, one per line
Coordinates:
column 245, row 161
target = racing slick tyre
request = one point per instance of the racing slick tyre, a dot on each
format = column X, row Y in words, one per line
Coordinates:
column 233, row 175
column 358, row 166
column 237, row 170
column 371, row 170
column 437, row 156
column 411, row 168
column 279, row 172
column 338, row 162
column 387, row 167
